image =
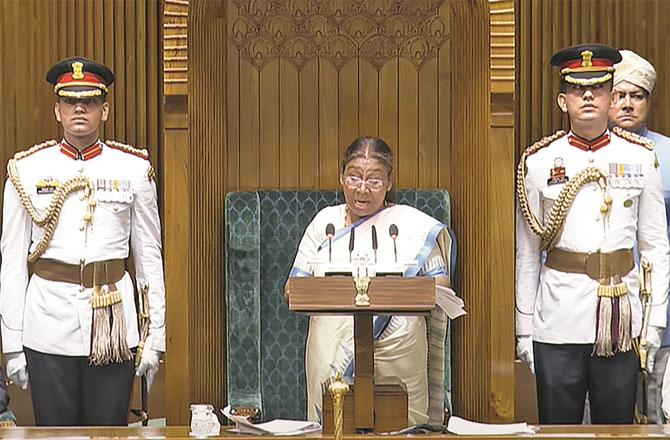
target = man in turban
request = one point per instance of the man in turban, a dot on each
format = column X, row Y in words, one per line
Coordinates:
column 634, row 80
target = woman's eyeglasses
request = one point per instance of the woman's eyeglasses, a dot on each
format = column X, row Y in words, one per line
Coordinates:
column 355, row 182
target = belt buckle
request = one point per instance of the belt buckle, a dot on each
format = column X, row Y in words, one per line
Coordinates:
column 593, row 265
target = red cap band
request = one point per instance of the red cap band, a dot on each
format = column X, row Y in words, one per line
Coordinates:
column 89, row 78
column 595, row 62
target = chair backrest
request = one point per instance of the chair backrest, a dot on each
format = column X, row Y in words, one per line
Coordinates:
column 266, row 342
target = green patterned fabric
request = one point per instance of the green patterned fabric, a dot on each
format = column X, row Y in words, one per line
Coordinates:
column 7, row 419
column 266, row 342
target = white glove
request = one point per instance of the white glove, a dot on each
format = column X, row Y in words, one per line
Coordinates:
column 653, row 343
column 17, row 369
column 148, row 365
column 524, row 350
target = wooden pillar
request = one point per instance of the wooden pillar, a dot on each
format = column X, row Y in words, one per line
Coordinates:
column 207, row 140
column 194, row 198
column 483, row 213
column 176, row 194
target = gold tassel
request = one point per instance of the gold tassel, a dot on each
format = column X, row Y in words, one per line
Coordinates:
column 119, row 341
column 625, row 337
column 612, row 291
column 110, row 343
column 100, row 348
column 603, row 344
column 106, row 300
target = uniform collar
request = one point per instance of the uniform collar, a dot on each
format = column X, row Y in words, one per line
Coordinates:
column 592, row 145
column 87, row 153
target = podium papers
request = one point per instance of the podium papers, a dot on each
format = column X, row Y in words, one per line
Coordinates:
column 446, row 299
column 461, row 426
column 278, row 427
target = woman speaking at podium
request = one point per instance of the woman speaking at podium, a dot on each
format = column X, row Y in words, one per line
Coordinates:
column 408, row 241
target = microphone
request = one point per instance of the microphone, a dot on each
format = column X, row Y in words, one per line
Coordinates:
column 330, row 231
column 393, row 232
column 351, row 242
column 374, row 241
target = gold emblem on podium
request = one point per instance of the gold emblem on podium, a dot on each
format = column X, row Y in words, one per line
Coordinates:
column 362, row 284
column 338, row 389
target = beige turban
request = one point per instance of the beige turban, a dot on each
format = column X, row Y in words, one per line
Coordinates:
column 636, row 70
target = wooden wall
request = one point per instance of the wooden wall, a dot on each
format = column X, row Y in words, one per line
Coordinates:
column 207, row 133
column 122, row 34
column 289, row 118
column 545, row 26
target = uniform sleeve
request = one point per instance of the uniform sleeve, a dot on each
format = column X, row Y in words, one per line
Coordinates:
column 145, row 238
column 528, row 262
column 14, row 246
column 653, row 242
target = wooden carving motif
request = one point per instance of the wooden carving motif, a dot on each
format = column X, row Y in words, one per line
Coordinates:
column 338, row 30
column 175, row 47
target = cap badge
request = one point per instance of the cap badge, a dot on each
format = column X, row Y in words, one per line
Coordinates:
column 586, row 58
column 77, row 70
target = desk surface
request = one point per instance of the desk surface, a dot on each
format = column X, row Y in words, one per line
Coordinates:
column 181, row 432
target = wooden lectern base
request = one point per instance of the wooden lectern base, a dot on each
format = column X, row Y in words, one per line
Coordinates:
column 390, row 413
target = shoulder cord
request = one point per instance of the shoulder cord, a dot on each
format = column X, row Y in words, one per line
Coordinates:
column 559, row 210
column 52, row 212
column 634, row 138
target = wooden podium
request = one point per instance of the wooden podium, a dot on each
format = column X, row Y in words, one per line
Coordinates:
column 387, row 295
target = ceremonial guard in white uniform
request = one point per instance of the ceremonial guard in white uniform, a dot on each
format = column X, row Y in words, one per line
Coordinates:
column 72, row 211
column 584, row 199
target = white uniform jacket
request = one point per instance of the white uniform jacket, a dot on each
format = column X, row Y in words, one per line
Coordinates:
column 560, row 308
column 55, row 317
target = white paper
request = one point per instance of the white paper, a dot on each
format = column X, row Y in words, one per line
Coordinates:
column 449, row 302
column 461, row 426
column 275, row 427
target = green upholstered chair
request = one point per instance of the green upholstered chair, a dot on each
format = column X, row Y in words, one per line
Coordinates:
column 266, row 342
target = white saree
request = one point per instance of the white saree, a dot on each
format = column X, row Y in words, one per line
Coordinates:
column 402, row 344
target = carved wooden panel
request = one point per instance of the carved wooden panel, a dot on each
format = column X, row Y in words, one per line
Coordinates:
column 287, row 125
column 502, row 45
column 338, row 30
column 175, row 47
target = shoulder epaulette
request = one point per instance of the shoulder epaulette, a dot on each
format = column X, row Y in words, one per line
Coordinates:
column 537, row 146
column 34, row 149
column 151, row 174
column 139, row 152
column 634, row 138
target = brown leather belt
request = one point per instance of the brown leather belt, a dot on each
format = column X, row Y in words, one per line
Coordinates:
column 597, row 265
column 98, row 273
